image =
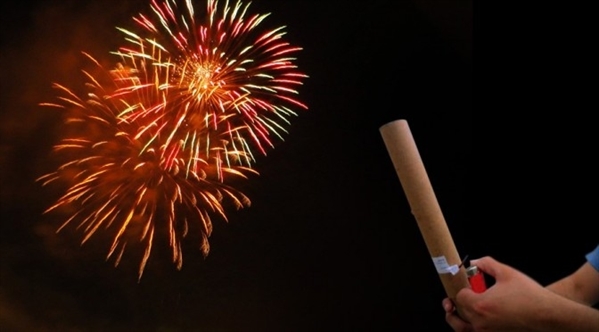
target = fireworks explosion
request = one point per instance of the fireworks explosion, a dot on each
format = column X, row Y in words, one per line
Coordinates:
column 154, row 143
column 223, row 77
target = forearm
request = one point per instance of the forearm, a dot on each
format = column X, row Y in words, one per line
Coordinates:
column 561, row 314
column 565, row 287
column 581, row 286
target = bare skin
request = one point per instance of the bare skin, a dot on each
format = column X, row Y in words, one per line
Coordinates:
column 518, row 303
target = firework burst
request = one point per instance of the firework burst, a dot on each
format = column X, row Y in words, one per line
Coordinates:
column 223, row 75
column 153, row 145
column 117, row 181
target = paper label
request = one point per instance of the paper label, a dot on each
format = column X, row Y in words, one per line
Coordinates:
column 443, row 267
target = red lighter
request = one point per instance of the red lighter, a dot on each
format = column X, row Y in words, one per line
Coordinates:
column 476, row 279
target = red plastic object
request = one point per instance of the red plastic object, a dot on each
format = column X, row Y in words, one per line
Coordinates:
column 476, row 279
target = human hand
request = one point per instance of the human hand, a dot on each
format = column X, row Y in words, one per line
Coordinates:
column 512, row 303
column 457, row 323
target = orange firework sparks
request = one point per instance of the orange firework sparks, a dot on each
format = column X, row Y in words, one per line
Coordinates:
column 149, row 145
column 119, row 184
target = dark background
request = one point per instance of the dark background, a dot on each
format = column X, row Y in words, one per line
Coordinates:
column 329, row 243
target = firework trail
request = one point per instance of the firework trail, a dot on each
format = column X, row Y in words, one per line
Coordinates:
column 222, row 74
column 147, row 146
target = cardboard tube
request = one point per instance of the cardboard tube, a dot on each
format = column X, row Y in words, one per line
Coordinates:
column 423, row 203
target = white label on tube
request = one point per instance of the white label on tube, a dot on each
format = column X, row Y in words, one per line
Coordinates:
column 443, row 267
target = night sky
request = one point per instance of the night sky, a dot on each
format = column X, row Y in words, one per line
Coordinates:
column 328, row 243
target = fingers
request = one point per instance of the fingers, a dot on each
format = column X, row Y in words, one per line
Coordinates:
column 488, row 265
column 456, row 323
column 448, row 305
column 465, row 296
column 452, row 318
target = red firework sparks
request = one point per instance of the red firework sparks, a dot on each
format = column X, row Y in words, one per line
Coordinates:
column 222, row 74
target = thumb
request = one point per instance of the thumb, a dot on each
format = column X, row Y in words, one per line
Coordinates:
column 489, row 265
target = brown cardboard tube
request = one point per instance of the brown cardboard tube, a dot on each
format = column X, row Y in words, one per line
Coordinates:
column 423, row 203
